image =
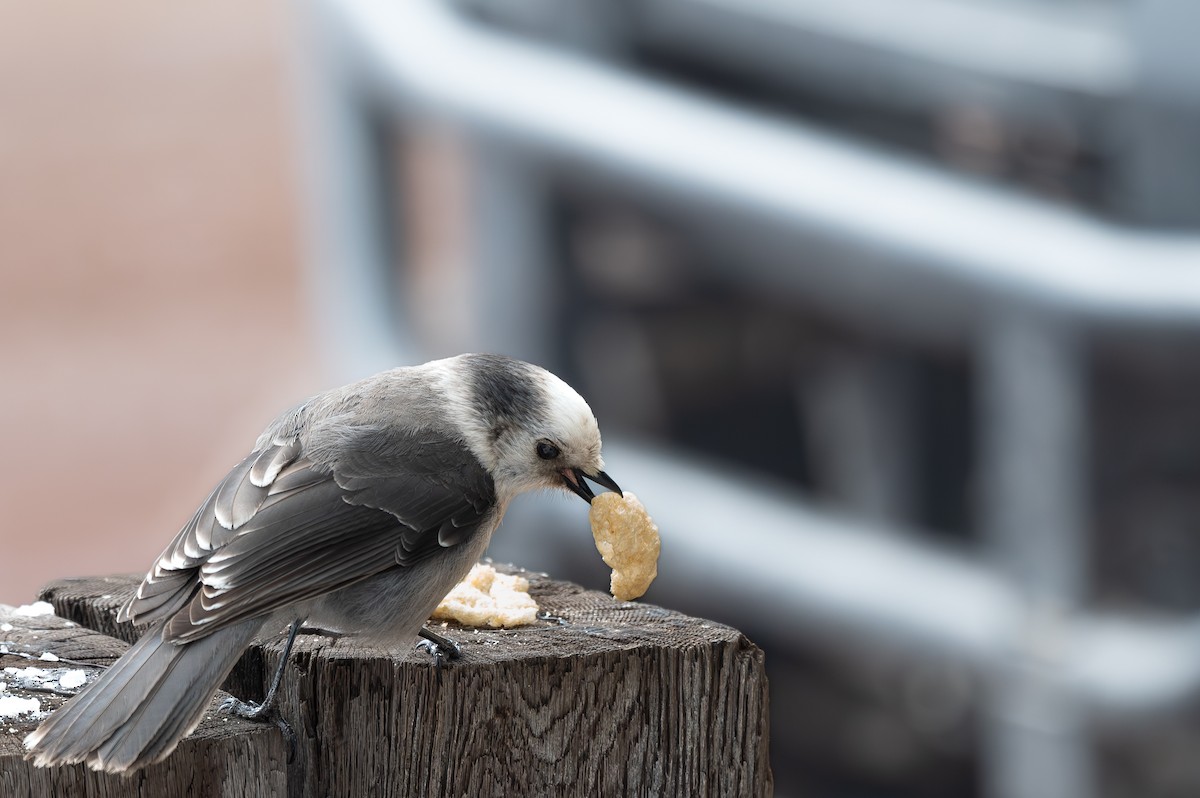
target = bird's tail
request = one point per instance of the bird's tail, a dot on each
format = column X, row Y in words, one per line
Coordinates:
column 141, row 707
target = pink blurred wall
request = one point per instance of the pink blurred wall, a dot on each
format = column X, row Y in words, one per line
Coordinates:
column 151, row 312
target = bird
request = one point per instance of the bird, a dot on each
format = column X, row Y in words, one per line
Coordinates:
column 356, row 512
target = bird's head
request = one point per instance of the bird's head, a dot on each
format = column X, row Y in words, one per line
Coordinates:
column 534, row 430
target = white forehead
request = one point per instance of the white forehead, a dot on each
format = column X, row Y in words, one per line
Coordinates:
column 567, row 411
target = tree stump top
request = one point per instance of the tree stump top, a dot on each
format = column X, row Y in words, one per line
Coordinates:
column 578, row 622
column 600, row 698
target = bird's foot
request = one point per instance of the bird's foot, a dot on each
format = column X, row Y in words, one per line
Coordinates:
column 246, row 709
column 441, row 648
column 265, row 711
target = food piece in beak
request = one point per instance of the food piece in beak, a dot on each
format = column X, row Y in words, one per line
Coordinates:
column 627, row 538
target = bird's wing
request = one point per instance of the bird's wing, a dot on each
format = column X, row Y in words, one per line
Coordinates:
column 281, row 528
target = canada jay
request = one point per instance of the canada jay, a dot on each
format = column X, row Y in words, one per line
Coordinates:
column 357, row 511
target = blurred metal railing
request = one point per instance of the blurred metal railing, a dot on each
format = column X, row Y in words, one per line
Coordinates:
column 1026, row 281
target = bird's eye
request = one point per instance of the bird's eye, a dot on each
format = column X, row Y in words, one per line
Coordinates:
column 547, row 450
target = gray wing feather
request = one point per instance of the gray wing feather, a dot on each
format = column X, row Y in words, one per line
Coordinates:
column 272, row 460
column 386, row 499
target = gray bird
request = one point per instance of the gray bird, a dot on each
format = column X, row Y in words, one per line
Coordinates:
column 356, row 512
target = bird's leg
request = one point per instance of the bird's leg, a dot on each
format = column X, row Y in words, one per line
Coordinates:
column 441, row 648
column 266, row 710
column 251, row 711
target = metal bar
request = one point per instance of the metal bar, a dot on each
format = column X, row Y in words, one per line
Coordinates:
column 348, row 262
column 1031, row 424
column 1031, row 430
column 948, row 231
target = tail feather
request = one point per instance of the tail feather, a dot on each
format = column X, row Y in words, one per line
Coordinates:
column 140, row 708
column 82, row 718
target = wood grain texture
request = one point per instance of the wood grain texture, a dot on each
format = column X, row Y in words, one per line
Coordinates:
column 224, row 757
column 608, row 698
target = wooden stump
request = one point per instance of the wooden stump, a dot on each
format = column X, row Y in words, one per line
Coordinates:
column 604, row 698
column 224, row 757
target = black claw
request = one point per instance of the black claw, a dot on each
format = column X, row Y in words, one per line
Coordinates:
column 441, row 648
column 245, row 709
column 434, row 650
column 262, row 712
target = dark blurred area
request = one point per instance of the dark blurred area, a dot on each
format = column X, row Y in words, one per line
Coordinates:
column 888, row 310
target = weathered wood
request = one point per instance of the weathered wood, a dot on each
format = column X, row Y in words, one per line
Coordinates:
column 224, row 757
column 607, row 698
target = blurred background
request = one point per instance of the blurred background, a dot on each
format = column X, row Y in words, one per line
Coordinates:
column 152, row 299
column 888, row 310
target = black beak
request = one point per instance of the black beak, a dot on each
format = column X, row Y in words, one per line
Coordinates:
column 574, row 480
